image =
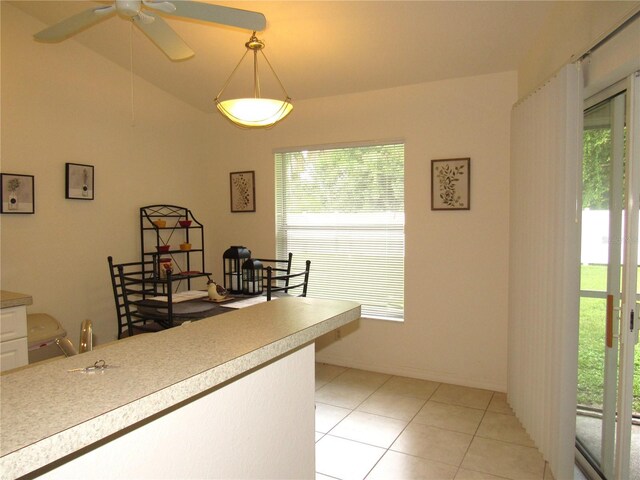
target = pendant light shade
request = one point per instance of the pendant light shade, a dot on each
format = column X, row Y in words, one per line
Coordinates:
column 254, row 112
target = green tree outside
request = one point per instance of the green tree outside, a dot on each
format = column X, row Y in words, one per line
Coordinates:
column 595, row 196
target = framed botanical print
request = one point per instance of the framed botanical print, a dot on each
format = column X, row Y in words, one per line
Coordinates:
column 450, row 184
column 243, row 191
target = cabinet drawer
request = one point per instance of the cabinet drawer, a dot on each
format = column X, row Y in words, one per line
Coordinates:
column 13, row 323
column 13, row 354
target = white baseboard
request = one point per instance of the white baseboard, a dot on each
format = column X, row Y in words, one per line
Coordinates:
column 412, row 372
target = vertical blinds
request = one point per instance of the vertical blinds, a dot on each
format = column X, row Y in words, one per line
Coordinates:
column 544, row 259
column 343, row 209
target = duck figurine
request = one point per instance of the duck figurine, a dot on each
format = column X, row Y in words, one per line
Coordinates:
column 216, row 292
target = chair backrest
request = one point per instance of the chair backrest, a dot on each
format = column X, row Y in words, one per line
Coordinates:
column 129, row 283
column 291, row 281
column 278, row 268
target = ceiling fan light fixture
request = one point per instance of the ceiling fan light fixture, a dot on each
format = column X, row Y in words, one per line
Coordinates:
column 254, row 112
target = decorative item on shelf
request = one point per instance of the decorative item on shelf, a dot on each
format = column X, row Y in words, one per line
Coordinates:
column 164, row 265
column 160, row 223
column 252, row 277
column 184, row 223
column 163, row 248
column 255, row 111
column 185, row 246
column 216, row 292
column 233, row 259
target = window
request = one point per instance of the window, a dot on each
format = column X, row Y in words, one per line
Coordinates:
column 343, row 209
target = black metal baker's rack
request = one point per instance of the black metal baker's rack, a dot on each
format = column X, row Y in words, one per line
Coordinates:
column 186, row 264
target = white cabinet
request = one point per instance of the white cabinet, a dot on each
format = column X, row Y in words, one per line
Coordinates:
column 13, row 337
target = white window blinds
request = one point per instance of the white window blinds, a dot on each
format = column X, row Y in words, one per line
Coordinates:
column 343, row 209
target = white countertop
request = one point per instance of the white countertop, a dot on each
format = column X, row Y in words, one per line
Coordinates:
column 14, row 299
column 48, row 412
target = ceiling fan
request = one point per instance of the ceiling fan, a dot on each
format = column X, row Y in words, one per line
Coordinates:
column 143, row 14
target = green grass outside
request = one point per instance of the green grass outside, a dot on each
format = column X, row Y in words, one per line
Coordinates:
column 592, row 342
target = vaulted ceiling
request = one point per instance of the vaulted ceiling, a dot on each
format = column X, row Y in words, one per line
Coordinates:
column 322, row 48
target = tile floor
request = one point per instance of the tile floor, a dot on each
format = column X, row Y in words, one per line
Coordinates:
column 377, row 426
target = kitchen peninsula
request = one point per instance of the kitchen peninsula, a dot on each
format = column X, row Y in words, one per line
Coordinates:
column 229, row 396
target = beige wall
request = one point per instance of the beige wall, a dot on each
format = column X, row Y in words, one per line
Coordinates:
column 62, row 103
column 572, row 27
column 55, row 111
column 455, row 328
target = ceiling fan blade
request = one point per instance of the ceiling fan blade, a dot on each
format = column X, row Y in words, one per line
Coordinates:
column 219, row 14
column 164, row 37
column 162, row 6
column 74, row 24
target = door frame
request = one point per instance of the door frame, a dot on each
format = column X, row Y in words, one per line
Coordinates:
column 615, row 456
column 628, row 320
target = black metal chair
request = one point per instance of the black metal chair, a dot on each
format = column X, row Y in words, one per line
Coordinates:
column 134, row 286
column 284, row 282
column 278, row 268
column 129, row 284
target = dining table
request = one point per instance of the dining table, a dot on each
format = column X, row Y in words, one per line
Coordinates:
column 194, row 305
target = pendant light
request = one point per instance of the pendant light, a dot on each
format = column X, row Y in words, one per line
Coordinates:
column 254, row 112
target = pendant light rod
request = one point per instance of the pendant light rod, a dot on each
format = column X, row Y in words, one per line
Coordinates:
column 231, row 76
column 275, row 75
column 256, row 46
column 256, row 77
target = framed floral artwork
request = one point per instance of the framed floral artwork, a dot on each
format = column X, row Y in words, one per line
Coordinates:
column 79, row 181
column 18, row 193
column 243, row 191
column 451, row 184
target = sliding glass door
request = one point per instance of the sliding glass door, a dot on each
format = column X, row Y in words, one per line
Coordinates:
column 608, row 410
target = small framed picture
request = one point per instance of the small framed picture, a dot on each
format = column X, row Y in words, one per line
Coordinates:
column 79, row 181
column 450, row 184
column 243, row 191
column 18, row 193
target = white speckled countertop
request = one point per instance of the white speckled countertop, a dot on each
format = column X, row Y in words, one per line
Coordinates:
column 48, row 412
column 14, row 299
